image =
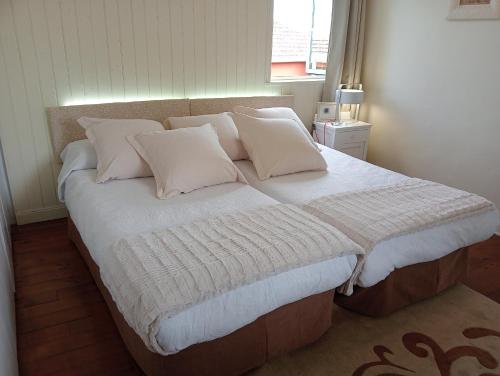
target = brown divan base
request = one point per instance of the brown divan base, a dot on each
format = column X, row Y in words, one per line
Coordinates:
column 282, row 330
column 407, row 285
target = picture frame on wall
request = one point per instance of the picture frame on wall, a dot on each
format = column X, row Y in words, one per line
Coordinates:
column 474, row 10
column 326, row 111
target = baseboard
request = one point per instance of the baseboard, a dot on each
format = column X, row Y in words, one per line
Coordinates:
column 42, row 214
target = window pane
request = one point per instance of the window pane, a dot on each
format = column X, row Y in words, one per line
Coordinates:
column 301, row 31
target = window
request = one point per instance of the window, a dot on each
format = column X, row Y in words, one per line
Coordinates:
column 301, row 32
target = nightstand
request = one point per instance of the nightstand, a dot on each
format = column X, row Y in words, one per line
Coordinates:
column 349, row 138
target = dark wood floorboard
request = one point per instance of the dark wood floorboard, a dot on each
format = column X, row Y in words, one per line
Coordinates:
column 64, row 326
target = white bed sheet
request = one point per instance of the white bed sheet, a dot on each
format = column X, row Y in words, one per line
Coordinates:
column 104, row 213
column 346, row 173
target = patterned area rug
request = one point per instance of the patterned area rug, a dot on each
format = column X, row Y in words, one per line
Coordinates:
column 455, row 333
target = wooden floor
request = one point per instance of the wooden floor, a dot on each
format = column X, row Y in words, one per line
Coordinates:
column 64, row 327
column 63, row 324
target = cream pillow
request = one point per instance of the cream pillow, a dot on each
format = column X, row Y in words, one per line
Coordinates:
column 185, row 159
column 277, row 146
column 224, row 126
column 276, row 113
column 116, row 158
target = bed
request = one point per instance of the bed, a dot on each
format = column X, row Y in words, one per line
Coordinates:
column 398, row 271
column 265, row 319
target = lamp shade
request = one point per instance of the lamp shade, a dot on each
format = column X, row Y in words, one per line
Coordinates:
column 350, row 96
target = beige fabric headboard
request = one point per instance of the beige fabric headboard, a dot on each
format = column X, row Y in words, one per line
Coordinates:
column 64, row 128
column 217, row 105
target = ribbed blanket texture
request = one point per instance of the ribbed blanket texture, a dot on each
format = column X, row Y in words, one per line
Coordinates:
column 369, row 216
column 156, row 275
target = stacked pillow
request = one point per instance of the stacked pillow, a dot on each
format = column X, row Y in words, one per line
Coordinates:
column 224, row 126
column 185, row 159
column 116, row 158
column 199, row 150
column 278, row 146
column 275, row 113
column 181, row 160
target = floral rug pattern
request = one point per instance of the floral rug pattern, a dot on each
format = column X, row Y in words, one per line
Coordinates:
column 424, row 346
column 456, row 333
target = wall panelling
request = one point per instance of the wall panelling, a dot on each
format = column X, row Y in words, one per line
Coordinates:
column 60, row 52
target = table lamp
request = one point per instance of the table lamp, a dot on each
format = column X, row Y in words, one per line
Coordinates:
column 349, row 96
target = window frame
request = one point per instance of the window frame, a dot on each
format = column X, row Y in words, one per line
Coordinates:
column 312, row 77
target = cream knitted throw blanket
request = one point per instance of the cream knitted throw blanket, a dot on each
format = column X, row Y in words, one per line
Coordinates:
column 156, row 275
column 371, row 215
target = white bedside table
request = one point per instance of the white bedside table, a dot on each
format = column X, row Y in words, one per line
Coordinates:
column 349, row 138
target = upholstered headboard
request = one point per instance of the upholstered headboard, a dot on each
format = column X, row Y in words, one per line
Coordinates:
column 217, row 105
column 64, row 128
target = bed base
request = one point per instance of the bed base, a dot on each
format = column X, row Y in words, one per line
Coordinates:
column 407, row 285
column 280, row 331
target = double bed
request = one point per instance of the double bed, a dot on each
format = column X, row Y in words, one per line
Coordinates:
column 240, row 329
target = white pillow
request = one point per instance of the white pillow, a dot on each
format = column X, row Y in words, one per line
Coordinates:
column 275, row 113
column 224, row 126
column 116, row 158
column 185, row 159
column 77, row 155
column 277, row 146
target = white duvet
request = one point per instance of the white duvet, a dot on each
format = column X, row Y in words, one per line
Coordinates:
column 105, row 213
column 346, row 173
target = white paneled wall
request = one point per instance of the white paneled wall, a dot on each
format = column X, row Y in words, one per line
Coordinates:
column 60, row 52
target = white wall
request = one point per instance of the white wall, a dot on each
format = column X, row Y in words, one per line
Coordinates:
column 56, row 52
column 433, row 93
column 8, row 355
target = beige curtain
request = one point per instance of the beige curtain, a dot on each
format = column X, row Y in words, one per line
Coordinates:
column 346, row 46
